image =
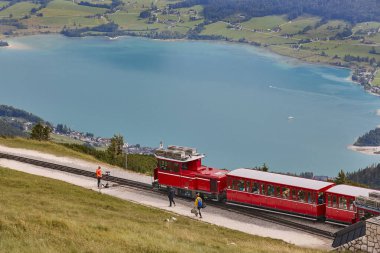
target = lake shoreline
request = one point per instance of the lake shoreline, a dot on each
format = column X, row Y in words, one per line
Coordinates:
column 373, row 90
column 367, row 150
column 263, row 49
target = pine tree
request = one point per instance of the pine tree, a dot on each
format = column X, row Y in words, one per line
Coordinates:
column 341, row 178
column 264, row 167
column 40, row 132
column 115, row 151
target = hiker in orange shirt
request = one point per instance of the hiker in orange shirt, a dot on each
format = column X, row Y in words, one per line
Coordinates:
column 99, row 175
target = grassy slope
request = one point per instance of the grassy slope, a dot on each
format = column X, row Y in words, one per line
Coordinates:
column 310, row 52
column 376, row 81
column 64, row 139
column 3, row 3
column 18, row 10
column 298, row 24
column 264, row 23
column 45, row 147
column 65, row 8
column 138, row 163
column 43, row 215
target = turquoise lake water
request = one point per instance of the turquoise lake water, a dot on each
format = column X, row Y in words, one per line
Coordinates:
column 232, row 102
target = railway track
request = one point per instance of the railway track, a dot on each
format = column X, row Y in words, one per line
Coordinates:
column 143, row 186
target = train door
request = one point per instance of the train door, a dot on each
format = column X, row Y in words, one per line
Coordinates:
column 213, row 185
column 187, row 177
column 170, row 174
column 230, row 189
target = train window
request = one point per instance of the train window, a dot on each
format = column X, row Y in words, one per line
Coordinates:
column 350, row 204
column 270, row 191
column 308, row 197
column 169, row 165
column 247, row 185
column 321, row 198
column 329, row 200
column 334, row 204
column 294, row 194
column 278, row 191
column 241, row 185
column 175, row 167
column 163, row 165
column 255, row 188
column 312, row 198
column 301, row 196
column 342, row 203
column 235, row 184
column 285, row 192
column 229, row 183
column 184, row 166
column 263, row 188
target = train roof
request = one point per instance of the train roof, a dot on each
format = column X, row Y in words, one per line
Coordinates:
column 349, row 190
column 280, row 179
column 182, row 160
column 178, row 154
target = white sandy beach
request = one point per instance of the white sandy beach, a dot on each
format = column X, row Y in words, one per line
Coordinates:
column 368, row 150
column 17, row 46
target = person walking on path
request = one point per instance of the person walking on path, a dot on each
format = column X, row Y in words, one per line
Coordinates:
column 99, row 175
column 198, row 204
column 171, row 196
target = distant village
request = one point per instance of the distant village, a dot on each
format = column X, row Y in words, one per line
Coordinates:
column 99, row 142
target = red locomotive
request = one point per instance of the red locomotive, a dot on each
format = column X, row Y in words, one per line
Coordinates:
column 181, row 168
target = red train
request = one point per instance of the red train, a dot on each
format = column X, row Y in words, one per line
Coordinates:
column 181, row 168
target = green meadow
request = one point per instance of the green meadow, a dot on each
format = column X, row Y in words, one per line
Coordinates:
column 18, row 10
column 376, row 81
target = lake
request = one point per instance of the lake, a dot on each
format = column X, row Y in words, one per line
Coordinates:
column 240, row 105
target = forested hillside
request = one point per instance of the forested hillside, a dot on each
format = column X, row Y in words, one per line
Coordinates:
column 13, row 121
column 6, row 129
column 350, row 10
column 369, row 176
column 9, row 111
column 372, row 138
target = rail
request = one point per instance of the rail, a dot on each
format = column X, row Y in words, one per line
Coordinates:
column 54, row 166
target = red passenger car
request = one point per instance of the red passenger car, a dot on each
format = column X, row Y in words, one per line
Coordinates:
column 181, row 168
column 340, row 200
column 278, row 192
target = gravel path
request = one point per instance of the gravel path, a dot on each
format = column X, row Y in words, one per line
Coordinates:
column 76, row 163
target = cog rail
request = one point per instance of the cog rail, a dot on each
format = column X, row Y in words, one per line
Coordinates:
column 86, row 173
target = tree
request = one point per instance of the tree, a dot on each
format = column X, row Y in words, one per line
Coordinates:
column 264, row 167
column 145, row 14
column 115, row 151
column 341, row 178
column 40, row 132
